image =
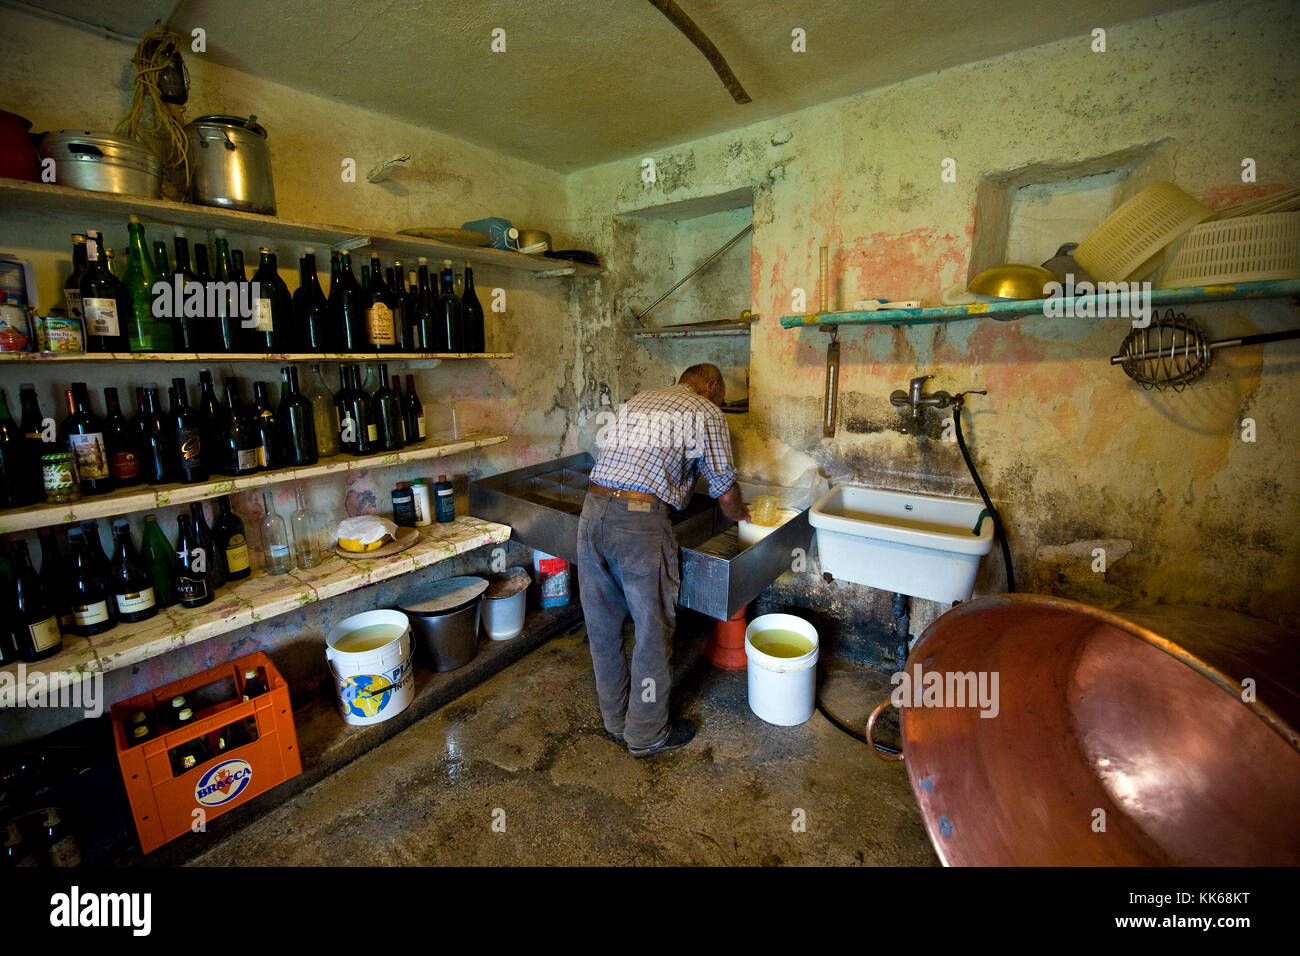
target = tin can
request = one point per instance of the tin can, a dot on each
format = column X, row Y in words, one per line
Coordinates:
column 61, row 335
column 15, row 332
column 60, row 474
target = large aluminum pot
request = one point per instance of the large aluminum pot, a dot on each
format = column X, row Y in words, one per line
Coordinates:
column 103, row 162
column 1119, row 738
column 230, row 164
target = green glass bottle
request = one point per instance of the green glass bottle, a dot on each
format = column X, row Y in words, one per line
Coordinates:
column 145, row 331
column 161, row 558
column 230, row 336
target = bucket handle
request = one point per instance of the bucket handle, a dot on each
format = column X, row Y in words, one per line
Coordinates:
column 879, row 751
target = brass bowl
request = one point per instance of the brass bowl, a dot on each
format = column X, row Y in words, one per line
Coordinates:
column 1012, row 281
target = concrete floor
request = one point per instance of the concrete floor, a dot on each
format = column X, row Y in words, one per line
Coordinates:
column 525, row 748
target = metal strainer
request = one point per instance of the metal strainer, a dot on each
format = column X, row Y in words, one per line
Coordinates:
column 1172, row 352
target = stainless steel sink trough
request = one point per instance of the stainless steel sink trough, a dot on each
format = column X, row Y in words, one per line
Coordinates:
column 542, row 503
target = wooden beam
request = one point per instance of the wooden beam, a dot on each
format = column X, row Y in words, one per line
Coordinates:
column 711, row 53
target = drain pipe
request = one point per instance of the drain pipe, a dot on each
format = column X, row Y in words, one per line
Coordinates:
column 902, row 625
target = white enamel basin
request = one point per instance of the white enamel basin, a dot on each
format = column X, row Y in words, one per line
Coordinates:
column 916, row 544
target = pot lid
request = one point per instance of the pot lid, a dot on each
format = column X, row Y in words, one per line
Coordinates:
column 81, row 144
column 443, row 597
column 508, row 584
column 247, row 123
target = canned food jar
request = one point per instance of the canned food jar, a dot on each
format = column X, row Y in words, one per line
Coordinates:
column 61, row 335
column 60, row 474
column 15, row 332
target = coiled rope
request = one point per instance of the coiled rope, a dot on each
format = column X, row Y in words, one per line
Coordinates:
column 165, row 136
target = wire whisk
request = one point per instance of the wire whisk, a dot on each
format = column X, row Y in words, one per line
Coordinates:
column 1172, row 352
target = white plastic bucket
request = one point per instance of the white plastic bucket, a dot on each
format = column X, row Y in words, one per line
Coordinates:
column 782, row 690
column 503, row 612
column 376, row 684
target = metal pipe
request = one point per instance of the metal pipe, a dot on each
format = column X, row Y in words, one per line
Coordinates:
column 694, row 272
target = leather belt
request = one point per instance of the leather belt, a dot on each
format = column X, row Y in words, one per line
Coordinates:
column 620, row 493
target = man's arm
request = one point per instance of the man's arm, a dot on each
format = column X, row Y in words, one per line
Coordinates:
column 719, row 470
column 733, row 505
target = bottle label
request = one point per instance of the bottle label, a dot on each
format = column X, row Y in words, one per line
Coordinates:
column 236, row 553
column 124, row 464
column 372, row 432
column 134, row 601
column 419, row 422
column 45, row 634
column 100, row 316
column 263, row 459
column 88, row 450
column 85, row 615
column 191, row 589
column 188, row 442
column 379, row 320
column 249, row 458
column 262, row 321
column 278, row 551
column 72, row 298
column 446, row 492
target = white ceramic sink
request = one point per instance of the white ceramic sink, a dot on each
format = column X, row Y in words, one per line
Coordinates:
column 916, row 544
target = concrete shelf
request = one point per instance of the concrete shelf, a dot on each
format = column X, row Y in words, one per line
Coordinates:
column 145, row 498
column 226, row 357
column 257, row 598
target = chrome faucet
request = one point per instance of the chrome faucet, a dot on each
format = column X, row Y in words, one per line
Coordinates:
column 912, row 403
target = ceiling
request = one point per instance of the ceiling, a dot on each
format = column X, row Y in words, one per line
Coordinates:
column 586, row 81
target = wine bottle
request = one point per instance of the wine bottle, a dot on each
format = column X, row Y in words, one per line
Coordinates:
column 362, row 410
column 388, row 414
column 310, row 310
column 214, row 420
column 348, row 308
column 472, row 315
column 425, row 323
column 208, row 321
column 297, row 422
column 365, row 276
column 36, row 626
column 145, row 332
column 241, row 443
column 403, row 309
column 413, row 412
column 288, row 339
column 270, row 452
column 189, row 324
column 54, row 576
column 237, row 265
column 381, row 311
column 193, row 578
column 132, row 583
column 325, row 419
column 34, row 431
column 72, row 285
column 121, row 443
column 103, row 313
column 83, row 431
column 230, row 334
column 161, row 558
column 449, row 332
column 100, row 561
column 162, row 261
column 216, row 559
column 88, row 594
column 154, row 438
column 187, row 436
column 412, row 306
column 13, row 460
column 275, row 540
column 268, row 319
column 228, row 536
column 347, row 424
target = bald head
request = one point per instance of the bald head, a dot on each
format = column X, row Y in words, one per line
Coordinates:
column 707, row 381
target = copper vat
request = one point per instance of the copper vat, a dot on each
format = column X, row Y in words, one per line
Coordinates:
column 1119, row 738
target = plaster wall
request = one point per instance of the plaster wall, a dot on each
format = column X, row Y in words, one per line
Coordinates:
column 1073, row 452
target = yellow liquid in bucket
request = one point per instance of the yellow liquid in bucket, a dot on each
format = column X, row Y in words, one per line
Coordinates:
column 780, row 642
column 367, row 638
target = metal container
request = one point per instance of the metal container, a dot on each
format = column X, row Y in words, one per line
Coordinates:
column 444, row 620
column 230, row 164
column 1153, row 736
column 103, row 162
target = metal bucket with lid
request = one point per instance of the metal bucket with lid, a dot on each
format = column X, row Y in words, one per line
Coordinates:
column 230, row 164
column 444, row 619
column 103, row 162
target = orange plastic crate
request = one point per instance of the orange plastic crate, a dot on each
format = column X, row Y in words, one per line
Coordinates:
column 165, row 805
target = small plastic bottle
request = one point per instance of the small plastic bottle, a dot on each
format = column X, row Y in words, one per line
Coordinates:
column 446, row 500
column 423, row 506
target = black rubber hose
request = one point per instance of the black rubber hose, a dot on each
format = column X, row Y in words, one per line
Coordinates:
column 988, row 503
column 860, row 738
